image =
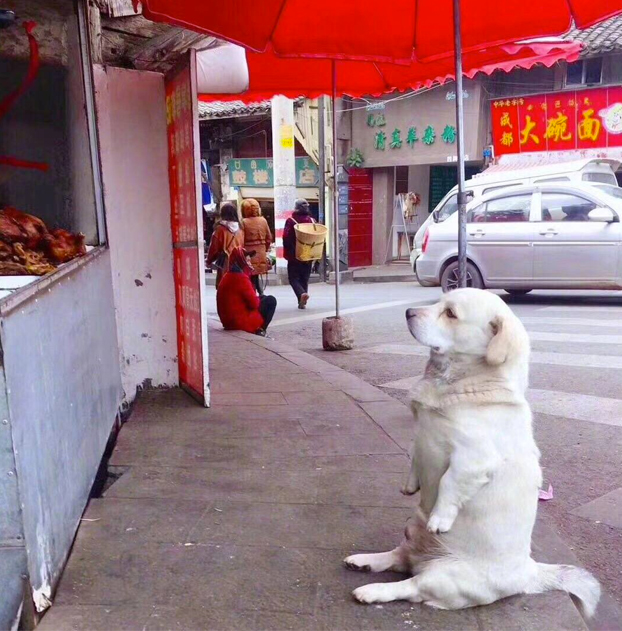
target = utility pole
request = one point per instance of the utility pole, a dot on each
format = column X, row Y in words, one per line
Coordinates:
column 322, row 183
column 284, row 169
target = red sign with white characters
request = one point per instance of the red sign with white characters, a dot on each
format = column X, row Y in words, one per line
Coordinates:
column 575, row 119
column 187, row 227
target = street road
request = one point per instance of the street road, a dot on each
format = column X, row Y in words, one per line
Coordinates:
column 576, row 392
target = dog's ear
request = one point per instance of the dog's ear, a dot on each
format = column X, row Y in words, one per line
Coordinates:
column 509, row 342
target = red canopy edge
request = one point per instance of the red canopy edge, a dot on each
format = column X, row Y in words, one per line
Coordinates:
column 397, row 32
column 268, row 72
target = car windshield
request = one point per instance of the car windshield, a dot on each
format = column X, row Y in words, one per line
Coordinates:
column 449, row 208
column 614, row 191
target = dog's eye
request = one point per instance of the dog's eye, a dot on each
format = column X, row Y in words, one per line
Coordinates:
column 450, row 314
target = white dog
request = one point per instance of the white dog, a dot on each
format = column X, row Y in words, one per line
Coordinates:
column 477, row 467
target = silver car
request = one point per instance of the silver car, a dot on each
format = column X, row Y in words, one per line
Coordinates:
column 564, row 236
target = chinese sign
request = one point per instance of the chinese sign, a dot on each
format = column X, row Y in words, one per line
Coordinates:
column 395, row 141
column 258, row 172
column 187, row 229
column 581, row 119
column 376, row 120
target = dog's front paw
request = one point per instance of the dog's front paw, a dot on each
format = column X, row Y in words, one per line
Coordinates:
column 441, row 522
column 357, row 562
column 372, row 593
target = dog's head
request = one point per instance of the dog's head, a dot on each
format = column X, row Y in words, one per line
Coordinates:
column 470, row 322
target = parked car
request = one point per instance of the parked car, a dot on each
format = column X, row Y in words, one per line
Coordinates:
column 597, row 171
column 553, row 236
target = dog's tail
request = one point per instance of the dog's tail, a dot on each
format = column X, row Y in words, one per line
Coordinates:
column 573, row 580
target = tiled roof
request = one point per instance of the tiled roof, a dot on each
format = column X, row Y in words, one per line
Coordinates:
column 230, row 109
column 603, row 38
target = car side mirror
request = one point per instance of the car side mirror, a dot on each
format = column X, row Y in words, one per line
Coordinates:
column 602, row 214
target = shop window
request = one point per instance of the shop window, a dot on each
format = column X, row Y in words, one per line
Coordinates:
column 584, row 72
column 48, row 125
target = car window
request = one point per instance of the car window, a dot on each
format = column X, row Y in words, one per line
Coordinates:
column 603, row 178
column 614, row 191
column 503, row 210
column 448, row 208
column 565, row 207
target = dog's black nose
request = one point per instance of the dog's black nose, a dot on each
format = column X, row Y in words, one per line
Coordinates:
column 410, row 313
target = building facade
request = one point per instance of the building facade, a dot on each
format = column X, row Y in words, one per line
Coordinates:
column 406, row 142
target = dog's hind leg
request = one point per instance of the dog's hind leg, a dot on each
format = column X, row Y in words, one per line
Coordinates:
column 443, row 585
column 395, row 560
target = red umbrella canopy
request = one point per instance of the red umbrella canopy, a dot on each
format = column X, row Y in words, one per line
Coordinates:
column 395, row 31
column 266, row 74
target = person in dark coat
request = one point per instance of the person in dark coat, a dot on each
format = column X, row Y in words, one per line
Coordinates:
column 298, row 272
column 239, row 307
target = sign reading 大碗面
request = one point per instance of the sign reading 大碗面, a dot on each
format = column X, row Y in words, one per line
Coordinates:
column 578, row 119
column 258, row 172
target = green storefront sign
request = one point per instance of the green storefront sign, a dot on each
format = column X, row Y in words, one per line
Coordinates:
column 258, row 172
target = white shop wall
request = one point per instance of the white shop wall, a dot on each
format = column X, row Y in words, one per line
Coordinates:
column 132, row 128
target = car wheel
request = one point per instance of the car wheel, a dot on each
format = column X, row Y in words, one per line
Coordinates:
column 450, row 279
column 517, row 292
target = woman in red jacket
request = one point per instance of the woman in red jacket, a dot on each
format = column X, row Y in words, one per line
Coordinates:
column 239, row 306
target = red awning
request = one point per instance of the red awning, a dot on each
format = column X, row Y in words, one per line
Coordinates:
column 269, row 74
column 395, row 31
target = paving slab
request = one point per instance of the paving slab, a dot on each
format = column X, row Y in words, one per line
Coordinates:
column 363, row 488
column 301, row 526
column 96, row 618
column 255, row 485
column 607, row 509
column 176, row 575
column 201, row 450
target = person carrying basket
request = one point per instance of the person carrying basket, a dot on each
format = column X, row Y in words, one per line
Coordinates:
column 298, row 272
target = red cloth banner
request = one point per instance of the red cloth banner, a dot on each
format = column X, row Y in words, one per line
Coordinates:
column 186, row 225
column 574, row 119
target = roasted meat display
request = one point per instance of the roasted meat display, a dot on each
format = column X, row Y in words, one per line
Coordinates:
column 27, row 247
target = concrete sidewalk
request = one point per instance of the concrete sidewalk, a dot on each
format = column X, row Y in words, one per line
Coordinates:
column 238, row 517
column 396, row 272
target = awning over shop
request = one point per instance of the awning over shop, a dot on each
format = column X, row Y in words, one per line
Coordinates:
column 367, row 30
column 253, row 77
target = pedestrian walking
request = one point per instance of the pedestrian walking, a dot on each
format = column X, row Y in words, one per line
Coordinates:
column 239, row 307
column 227, row 236
column 298, row 272
column 257, row 238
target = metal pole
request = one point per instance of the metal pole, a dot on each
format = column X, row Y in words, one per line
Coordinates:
column 322, row 163
column 335, row 193
column 462, row 201
column 91, row 119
